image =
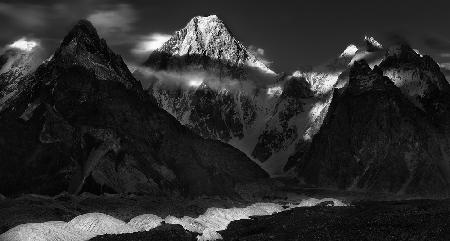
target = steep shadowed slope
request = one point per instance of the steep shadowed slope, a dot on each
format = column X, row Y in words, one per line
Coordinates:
column 421, row 81
column 91, row 127
column 373, row 138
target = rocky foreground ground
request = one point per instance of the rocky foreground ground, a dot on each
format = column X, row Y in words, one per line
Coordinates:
column 166, row 232
column 393, row 220
column 367, row 220
column 292, row 214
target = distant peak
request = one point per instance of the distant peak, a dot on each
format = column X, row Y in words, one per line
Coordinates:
column 372, row 45
column 350, row 51
column 210, row 37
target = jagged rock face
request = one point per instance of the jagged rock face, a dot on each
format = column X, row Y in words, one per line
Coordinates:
column 372, row 45
column 265, row 123
column 91, row 127
column 206, row 37
column 324, row 79
column 263, row 115
column 374, row 138
column 421, row 80
column 290, row 123
column 334, row 73
column 203, row 108
column 15, row 64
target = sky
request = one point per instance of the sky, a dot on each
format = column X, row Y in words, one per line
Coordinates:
column 289, row 34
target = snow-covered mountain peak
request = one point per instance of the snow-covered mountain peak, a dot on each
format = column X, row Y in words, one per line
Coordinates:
column 204, row 23
column 207, row 26
column 350, row 51
column 209, row 37
column 372, row 45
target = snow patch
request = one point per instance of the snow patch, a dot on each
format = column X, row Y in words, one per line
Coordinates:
column 145, row 222
column 373, row 42
column 48, row 231
column 274, row 91
column 99, row 224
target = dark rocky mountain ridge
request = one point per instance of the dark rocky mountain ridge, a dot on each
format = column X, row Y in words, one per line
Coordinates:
column 91, row 127
column 373, row 138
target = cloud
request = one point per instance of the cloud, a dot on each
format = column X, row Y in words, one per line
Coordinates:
column 437, row 43
column 259, row 53
column 12, row 54
column 187, row 78
column 27, row 15
column 255, row 50
column 23, row 44
column 445, row 55
column 41, row 15
column 193, row 77
column 392, row 38
column 445, row 69
column 117, row 19
column 445, row 66
column 150, row 43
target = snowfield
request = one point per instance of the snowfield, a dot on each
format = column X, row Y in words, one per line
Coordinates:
column 87, row 226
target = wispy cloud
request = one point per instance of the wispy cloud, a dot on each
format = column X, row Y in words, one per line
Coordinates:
column 38, row 15
column 116, row 19
column 445, row 66
column 149, row 43
column 260, row 54
column 27, row 15
column 437, row 43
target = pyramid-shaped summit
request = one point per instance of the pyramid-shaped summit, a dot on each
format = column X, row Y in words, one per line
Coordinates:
column 83, row 47
column 209, row 37
column 84, row 37
column 82, row 28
